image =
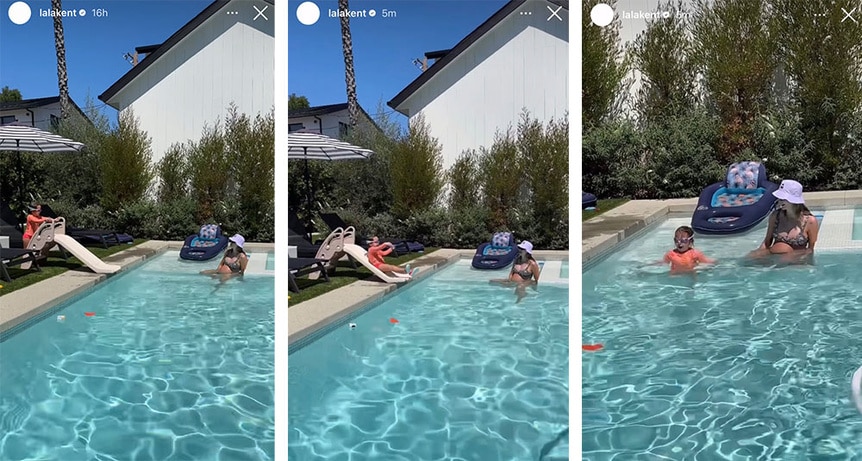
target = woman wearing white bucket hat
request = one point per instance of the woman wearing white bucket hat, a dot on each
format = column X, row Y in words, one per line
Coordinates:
column 234, row 261
column 524, row 270
column 792, row 228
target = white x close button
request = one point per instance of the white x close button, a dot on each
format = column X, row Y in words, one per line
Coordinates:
column 554, row 12
column 260, row 13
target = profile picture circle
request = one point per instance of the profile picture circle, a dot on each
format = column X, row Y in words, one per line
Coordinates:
column 19, row 13
column 602, row 14
column 308, row 13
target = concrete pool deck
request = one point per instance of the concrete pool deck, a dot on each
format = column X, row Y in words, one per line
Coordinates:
column 21, row 305
column 309, row 316
column 605, row 231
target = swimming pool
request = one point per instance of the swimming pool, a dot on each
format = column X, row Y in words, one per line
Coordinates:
column 741, row 362
column 169, row 365
column 465, row 373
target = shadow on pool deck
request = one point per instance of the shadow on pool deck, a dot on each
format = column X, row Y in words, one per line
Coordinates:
column 604, row 232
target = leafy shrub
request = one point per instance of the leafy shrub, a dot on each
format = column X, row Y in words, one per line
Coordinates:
column 251, row 156
column 544, row 151
column 463, row 178
column 126, row 168
column 416, row 169
column 210, row 173
column 502, row 179
column 173, row 172
column 468, row 228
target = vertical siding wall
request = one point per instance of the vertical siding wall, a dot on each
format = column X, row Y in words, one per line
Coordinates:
column 191, row 87
column 522, row 63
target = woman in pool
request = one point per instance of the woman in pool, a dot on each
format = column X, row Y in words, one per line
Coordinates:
column 792, row 230
column 524, row 270
column 234, row 261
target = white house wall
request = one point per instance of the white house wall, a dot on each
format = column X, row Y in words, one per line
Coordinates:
column 222, row 62
column 40, row 115
column 521, row 63
column 331, row 122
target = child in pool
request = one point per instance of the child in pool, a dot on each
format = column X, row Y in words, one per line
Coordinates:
column 684, row 257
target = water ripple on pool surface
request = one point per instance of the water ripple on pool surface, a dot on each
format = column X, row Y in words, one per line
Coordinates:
column 465, row 374
column 738, row 363
column 171, row 367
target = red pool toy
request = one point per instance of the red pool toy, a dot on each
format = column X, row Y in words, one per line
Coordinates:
column 393, row 320
column 90, row 314
column 592, row 347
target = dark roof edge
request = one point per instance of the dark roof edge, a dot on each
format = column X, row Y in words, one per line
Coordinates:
column 463, row 45
column 184, row 31
column 437, row 54
column 147, row 48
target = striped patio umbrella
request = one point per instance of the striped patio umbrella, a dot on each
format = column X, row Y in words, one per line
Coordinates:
column 23, row 138
column 312, row 146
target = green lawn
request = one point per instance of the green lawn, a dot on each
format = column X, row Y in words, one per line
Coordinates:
column 344, row 275
column 603, row 206
column 55, row 265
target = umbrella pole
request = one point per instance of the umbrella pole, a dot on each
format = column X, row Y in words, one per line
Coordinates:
column 308, row 196
column 20, row 175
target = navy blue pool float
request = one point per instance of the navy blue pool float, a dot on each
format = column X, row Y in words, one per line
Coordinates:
column 737, row 204
column 496, row 254
column 205, row 245
column 588, row 200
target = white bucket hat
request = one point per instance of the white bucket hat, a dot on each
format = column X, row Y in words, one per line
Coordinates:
column 238, row 239
column 527, row 246
column 791, row 191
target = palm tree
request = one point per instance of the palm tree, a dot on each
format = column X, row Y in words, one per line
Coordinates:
column 349, row 72
column 60, row 47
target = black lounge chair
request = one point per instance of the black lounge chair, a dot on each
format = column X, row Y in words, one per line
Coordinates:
column 303, row 266
column 17, row 256
column 105, row 238
column 304, row 248
column 402, row 247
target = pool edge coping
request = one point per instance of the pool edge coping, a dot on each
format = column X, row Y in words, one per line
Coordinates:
column 361, row 294
column 34, row 300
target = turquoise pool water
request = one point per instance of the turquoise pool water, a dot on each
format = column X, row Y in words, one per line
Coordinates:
column 465, row 374
column 270, row 261
column 857, row 224
column 172, row 366
column 741, row 362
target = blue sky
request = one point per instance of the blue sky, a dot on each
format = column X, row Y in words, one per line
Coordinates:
column 94, row 46
column 383, row 48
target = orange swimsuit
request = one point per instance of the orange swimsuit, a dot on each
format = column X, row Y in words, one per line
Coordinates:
column 376, row 254
column 33, row 224
column 685, row 261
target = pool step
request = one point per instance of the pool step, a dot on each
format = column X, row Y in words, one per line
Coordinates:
column 257, row 265
column 836, row 231
column 551, row 272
